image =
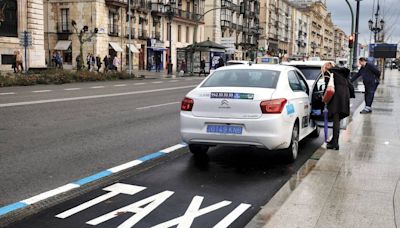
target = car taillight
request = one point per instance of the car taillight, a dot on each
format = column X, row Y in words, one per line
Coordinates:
column 273, row 106
column 187, row 104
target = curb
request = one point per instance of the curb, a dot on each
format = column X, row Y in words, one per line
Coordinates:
column 38, row 199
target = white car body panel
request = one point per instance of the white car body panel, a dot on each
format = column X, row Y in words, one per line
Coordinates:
column 271, row 131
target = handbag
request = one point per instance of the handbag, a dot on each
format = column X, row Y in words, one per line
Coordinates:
column 330, row 89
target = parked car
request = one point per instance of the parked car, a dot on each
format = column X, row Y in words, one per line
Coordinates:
column 267, row 106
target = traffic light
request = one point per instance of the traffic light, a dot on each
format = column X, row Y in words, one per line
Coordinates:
column 351, row 41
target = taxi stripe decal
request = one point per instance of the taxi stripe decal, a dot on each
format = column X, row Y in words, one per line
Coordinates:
column 76, row 184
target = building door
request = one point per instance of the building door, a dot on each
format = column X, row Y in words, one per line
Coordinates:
column 141, row 58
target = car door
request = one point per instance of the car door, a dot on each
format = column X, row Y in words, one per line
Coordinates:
column 301, row 100
column 306, row 125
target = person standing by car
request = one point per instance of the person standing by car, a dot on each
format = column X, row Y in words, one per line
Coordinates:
column 370, row 75
column 202, row 67
column 339, row 105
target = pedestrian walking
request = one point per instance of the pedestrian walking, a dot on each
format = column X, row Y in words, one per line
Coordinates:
column 202, row 67
column 59, row 60
column 106, row 61
column 370, row 75
column 19, row 60
column 88, row 61
column 54, row 59
column 221, row 62
column 158, row 63
column 116, row 63
column 98, row 63
column 14, row 62
column 78, row 62
column 339, row 105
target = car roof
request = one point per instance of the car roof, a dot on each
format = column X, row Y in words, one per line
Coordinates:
column 307, row 63
column 275, row 67
column 238, row 61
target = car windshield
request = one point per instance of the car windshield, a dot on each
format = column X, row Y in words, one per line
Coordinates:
column 243, row 78
column 311, row 73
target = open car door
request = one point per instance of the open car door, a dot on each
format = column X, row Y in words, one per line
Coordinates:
column 317, row 105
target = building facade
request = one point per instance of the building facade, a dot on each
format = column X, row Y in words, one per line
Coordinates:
column 301, row 27
column 277, row 23
column 341, row 49
column 16, row 17
column 107, row 23
column 235, row 24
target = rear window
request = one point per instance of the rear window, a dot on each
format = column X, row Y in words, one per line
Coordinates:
column 243, row 78
column 311, row 73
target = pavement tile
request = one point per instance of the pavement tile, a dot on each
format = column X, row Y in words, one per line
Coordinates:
column 350, row 183
column 295, row 215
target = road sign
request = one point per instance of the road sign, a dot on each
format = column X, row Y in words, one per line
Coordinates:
column 25, row 39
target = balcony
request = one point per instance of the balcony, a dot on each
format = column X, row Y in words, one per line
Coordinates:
column 112, row 30
column 120, row 3
column 156, row 35
column 233, row 26
column 142, row 6
column 133, row 33
column 225, row 24
column 187, row 15
column 63, row 31
column 142, row 34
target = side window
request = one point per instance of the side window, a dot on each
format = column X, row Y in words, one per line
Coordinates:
column 294, row 82
column 303, row 83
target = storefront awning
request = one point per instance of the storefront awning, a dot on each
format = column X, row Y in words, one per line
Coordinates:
column 116, row 47
column 62, row 45
column 133, row 48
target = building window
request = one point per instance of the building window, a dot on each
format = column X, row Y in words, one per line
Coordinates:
column 179, row 33
column 64, row 20
column 8, row 18
column 187, row 34
column 112, row 23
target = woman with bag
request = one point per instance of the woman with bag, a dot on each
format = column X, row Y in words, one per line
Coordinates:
column 339, row 103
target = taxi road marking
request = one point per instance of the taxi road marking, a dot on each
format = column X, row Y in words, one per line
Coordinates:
column 159, row 105
column 41, row 91
column 93, row 96
column 142, row 208
column 10, row 93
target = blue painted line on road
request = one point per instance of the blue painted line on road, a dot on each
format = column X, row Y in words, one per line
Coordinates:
column 151, row 156
column 18, row 205
column 12, row 207
column 93, row 177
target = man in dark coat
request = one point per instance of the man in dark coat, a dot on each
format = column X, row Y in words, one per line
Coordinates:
column 370, row 75
column 339, row 105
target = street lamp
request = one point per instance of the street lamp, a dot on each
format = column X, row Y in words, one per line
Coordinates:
column 377, row 28
column 169, row 11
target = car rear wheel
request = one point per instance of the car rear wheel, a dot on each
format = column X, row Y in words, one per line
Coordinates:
column 197, row 149
column 293, row 150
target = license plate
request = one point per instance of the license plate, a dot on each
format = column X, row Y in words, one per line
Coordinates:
column 225, row 129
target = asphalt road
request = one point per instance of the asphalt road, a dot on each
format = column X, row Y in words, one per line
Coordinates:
column 59, row 135
column 43, row 146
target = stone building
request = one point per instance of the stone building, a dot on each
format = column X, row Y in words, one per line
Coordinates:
column 321, row 28
column 341, row 49
column 107, row 23
column 276, row 20
column 17, row 16
column 236, row 25
column 301, row 24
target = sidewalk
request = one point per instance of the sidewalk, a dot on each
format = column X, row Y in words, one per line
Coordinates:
column 161, row 74
column 357, row 186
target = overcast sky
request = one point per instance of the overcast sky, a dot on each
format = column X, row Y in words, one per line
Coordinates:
column 389, row 8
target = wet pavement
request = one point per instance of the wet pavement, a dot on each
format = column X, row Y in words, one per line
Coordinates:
column 357, row 186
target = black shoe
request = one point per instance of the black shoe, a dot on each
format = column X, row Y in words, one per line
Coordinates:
column 330, row 146
column 365, row 111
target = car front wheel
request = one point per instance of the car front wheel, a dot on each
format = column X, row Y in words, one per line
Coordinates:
column 293, row 150
column 197, row 149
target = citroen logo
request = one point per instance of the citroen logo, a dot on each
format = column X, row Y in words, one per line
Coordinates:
column 224, row 102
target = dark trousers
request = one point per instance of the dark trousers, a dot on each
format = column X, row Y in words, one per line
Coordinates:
column 369, row 94
column 336, row 129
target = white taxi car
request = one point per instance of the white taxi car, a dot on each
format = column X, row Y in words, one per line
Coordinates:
column 266, row 106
